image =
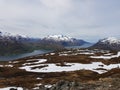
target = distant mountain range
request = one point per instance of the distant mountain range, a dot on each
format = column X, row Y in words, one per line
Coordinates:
column 10, row 44
column 16, row 44
column 64, row 40
column 110, row 43
column 58, row 38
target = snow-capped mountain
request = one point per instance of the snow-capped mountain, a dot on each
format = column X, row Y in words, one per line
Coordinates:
column 4, row 36
column 7, row 36
column 110, row 43
column 64, row 40
column 10, row 44
column 19, row 44
column 110, row 40
column 58, row 38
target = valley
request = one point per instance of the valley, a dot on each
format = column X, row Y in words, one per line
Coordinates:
column 58, row 62
column 47, row 71
column 12, row 45
column 59, row 45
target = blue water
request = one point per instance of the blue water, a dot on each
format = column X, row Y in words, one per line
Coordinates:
column 83, row 46
column 13, row 57
column 36, row 52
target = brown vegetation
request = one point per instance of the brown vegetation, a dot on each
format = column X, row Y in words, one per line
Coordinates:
column 13, row 76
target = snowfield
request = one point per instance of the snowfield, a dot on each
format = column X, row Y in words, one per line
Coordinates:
column 70, row 67
column 53, row 67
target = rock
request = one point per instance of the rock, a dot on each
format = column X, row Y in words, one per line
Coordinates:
column 66, row 85
column 13, row 89
column 113, row 84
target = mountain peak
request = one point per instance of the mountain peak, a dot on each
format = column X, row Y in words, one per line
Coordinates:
column 110, row 40
column 110, row 43
column 4, row 34
column 58, row 38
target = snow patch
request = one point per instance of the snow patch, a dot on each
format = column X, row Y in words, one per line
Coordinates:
column 52, row 53
column 37, row 61
column 6, row 65
column 38, row 78
column 106, row 57
column 48, row 86
column 70, row 67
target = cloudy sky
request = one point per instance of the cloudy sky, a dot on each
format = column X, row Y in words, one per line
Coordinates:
column 86, row 19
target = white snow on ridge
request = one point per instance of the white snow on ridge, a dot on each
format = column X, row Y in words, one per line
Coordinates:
column 86, row 53
column 83, row 52
column 73, row 54
column 58, row 38
column 106, row 57
column 110, row 40
column 37, row 61
column 108, row 54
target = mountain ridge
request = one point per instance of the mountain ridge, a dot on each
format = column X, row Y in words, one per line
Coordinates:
column 18, row 44
column 110, row 43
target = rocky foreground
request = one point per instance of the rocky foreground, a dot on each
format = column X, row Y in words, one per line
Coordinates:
column 102, row 84
column 77, row 69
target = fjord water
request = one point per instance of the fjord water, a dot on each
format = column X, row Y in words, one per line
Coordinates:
column 82, row 46
column 13, row 57
column 36, row 52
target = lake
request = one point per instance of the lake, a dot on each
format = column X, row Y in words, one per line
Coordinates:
column 82, row 46
column 13, row 57
column 36, row 52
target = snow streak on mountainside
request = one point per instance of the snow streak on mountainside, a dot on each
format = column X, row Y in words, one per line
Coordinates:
column 110, row 43
column 111, row 40
column 64, row 40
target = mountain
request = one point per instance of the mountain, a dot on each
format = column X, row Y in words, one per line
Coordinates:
column 15, row 44
column 58, row 38
column 64, row 40
column 110, row 43
column 12, row 44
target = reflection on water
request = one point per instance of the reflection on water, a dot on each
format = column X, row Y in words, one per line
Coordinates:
column 13, row 57
column 36, row 52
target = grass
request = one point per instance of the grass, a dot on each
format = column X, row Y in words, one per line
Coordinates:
column 13, row 76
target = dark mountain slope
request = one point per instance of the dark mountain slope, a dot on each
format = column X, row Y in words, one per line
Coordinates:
column 110, row 43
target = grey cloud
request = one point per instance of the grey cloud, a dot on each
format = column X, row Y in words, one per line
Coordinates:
column 87, row 19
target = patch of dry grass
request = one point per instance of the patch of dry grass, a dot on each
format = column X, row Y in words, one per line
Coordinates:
column 12, row 76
